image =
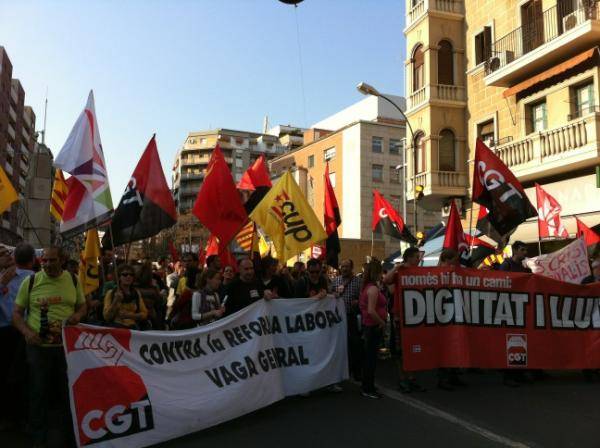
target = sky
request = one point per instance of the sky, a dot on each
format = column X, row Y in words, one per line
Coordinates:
column 174, row 66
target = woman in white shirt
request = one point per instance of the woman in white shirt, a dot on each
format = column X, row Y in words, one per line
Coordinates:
column 206, row 303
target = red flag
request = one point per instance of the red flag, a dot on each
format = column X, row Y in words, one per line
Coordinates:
column 256, row 176
column 477, row 242
column 496, row 188
column 332, row 221
column 173, row 252
column 549, row 223
column 588, row 234
column 218, row 205
column 455, row 236
column 385, row 215
column 212, row 246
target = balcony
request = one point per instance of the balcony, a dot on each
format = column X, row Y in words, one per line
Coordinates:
column 436, row 6
column 24, row 167
column 10, row 150
column 22, row 183
column 27, row 119
column 25, row 133
column 438, row 94
column 25, row 150
column 8, row 168
column 188, row 191
column 192, row 176
column 439, row 183
column 559, row 32
column 14, row 95
column 12, row 114
column 11, row 132
column 554, row 151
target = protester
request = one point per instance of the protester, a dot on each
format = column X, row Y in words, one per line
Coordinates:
column 214, row 262
column 298, row 270
column 516, row 262
column 411, row 258
column 270, row 279
column 12, row 274
column 595, row 275
column 244, row 289
column 448, row 378
column 182, row 307
column 347, row 286
column 172, row 282
column 206, row 303
column 48, row 298
column 106, row 271
column 190, row 261
column 226, row 279
column 123, row 305
column 315, row 284
column 153, row 299
column 373, row 310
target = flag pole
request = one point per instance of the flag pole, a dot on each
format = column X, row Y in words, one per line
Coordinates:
column 112, row 244
column 538, row 223
column 372, row 243
column 471, row 232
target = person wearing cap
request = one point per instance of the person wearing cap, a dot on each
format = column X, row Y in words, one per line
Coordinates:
column 595, row 276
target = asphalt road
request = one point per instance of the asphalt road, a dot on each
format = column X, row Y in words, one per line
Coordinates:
column 561, row 411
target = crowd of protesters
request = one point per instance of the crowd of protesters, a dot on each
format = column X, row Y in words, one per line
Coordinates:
column 38, row 296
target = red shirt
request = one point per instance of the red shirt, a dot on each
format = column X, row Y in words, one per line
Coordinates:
column 380, row 306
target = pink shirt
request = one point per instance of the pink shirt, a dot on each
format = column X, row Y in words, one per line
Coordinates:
column 380, row 307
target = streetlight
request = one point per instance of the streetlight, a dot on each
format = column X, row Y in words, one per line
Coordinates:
column 367, row 89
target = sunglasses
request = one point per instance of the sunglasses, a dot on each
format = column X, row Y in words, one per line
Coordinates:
column 127, row 274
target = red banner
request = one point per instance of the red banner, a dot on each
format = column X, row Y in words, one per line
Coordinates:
column 455, row 317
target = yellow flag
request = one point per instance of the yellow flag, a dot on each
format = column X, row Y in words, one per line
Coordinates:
column 59, row 195
column 245, row 238
column 284, row 215
column 8, row 195
column 263, row 246
column 88, row 268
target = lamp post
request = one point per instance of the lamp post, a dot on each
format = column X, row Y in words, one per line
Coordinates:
column 367, row 89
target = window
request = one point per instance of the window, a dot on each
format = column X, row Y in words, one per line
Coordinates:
column 485, row 131
column 377, row 173
column 447, row 151
column 584, row 99
column 329, row 154
column 311, row 161
column 377, row 144
column 395, row 146
column 483, row 45
column 394, row 175
column 538, row 117
column 239, row 162
column 332, row 179
column 418, row 68
column 202, row 141
column 419, row 152
column 445, row 63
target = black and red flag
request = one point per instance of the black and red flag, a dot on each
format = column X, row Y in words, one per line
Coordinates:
column 485, row 226
column 591, row 238
column 387, row 219
column 496, row 188
column 218, row 205
column 256, row 180
column 147, row 205
column 332, row 222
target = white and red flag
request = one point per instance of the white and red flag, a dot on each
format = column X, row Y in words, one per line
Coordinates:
column 549, row 222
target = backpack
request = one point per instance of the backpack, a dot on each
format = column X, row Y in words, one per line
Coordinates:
column 32, row 279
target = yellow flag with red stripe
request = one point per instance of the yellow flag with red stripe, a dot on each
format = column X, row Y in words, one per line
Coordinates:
column 286, row 217
column 246, row 237
column 59, row 195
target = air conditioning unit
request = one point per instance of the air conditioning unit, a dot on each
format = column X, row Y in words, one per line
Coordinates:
column 570, row 21
column 501, row 59
column 446, row 207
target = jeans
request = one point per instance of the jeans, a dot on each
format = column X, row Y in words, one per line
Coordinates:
column 372, row 340
column 48, row 384
column 355, row 347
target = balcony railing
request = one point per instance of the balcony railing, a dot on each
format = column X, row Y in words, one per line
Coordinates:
column 438, row 182
column 10, row 150
column 11, row 132
column 451, row 6
column 8, row 168
column 192, row 176
column 14, row 95
column 552, row 23
column 440, row 92
column 12, row 113
column 552, row 147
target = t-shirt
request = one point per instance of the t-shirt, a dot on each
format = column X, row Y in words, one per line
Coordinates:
column 8, row 295
column 61, row 297
column 380, row 307
column 305, row 288
column 131, row 303
column 241, row 294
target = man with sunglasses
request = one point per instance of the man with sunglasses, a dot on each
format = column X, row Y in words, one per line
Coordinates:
column 50, row 298
column 315, row 284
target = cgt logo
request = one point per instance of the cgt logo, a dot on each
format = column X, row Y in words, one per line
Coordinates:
column 105, row 413
column 516, row 350
column 106, row 344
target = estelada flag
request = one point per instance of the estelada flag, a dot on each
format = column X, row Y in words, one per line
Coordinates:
column 247, row 238
column 8, row 194
column 496, row 188
column 88, row 267
column 257, row 180
column 332, row 222
column 455, row 236
column 59, row 195
column 387, row 219
column 147, row 206
column 592, row 239
column 218, row 205
column 88, row 203
column 549, row 222
column 285, row 215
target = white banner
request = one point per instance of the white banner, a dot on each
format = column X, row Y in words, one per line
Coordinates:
column 569, row 264
column 134, row 389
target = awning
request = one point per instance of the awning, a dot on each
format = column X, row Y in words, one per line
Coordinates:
column 556, row 70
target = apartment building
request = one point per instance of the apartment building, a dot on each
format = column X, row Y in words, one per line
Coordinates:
column 17, row 143
column 521, row 75
column 364, row 146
